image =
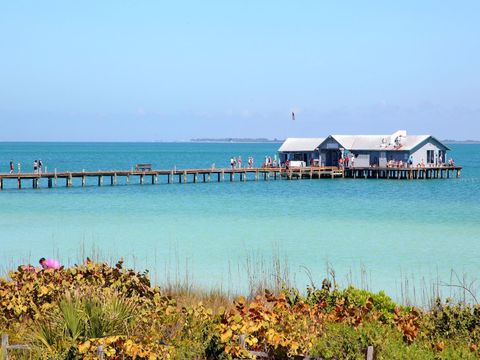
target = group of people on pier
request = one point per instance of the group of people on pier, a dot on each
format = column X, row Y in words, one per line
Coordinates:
column 236, row 162
column 269, row 162
column 37, row 167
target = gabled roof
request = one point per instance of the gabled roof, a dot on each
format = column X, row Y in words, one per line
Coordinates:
column 381, row 142
column 300, row 144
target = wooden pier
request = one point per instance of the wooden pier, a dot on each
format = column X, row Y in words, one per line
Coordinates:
column 226, row 174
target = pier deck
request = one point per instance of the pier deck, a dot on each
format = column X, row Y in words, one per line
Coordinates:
column 227, row 174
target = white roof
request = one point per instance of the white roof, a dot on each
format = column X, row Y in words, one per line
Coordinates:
column 300, row 144
column 380, row 142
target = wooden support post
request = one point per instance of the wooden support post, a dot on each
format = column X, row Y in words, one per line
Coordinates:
column 84, row 180
column 195, row 176
column 219, row 176
column 69, row 180
column 256, row 175
column 241, row 176
column 179, row 178
column 399, row 174
column 208, row 177
column 100, row 353
column 223, row 175
column 115, row 179
column 154, row 179
column 365, row 173
column 1, row 183
column 141, row 179
column 369, row 353
column 127, row 179
column 100, row 180
column 232, row 176
column 377, row 171
column 111, row 180
column 19, row 183
column 4, row 350
column 458, row 173
column 204, row 177
column 184, row 177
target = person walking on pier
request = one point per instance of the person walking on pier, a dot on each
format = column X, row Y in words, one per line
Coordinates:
column 11, row 167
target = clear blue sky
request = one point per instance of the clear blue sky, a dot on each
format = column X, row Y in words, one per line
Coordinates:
column 157, row 70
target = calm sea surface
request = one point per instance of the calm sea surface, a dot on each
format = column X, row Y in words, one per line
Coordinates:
column 214, row 232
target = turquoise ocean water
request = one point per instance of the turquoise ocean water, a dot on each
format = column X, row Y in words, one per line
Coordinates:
column 393, row 230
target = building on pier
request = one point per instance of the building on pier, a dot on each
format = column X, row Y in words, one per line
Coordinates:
column 369, row 150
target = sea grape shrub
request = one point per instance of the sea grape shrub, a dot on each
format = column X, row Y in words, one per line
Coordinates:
column 381, row 303
column 273, row 324
column 452, row 321
column 28, row 295
column 76, row 310
column 269, row 323
column 124, row 348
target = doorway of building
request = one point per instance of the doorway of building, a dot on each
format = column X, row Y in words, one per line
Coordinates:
column 331, row 157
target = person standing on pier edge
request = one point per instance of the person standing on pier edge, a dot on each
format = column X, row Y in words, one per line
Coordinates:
column 11, row 166
column 410, row 161
column 35, row 166
column 40, row 164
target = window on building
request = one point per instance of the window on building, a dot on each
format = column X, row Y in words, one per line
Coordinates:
column 430, row 156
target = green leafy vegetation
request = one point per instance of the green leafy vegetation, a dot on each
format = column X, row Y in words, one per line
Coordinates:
column 70, row 313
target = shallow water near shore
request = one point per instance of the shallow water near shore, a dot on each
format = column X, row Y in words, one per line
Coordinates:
column 385, row 230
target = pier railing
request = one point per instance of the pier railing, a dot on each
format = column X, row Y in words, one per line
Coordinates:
column 54, row 179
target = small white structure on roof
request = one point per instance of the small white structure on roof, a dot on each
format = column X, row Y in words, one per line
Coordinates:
column 367, row 150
